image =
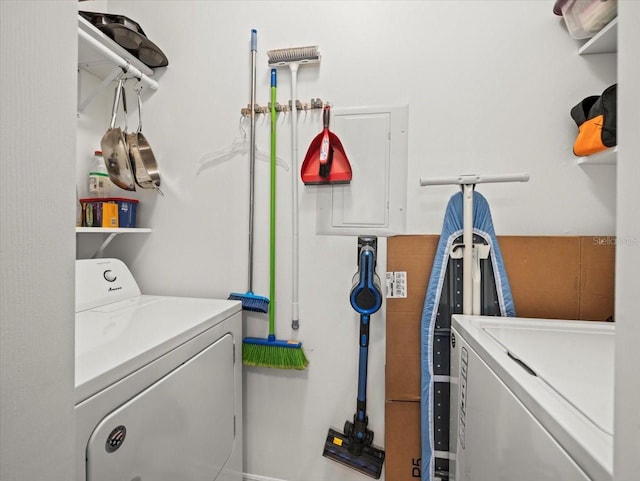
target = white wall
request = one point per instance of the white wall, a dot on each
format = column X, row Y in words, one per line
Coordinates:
column 627, row 382
column 37, row 152
column 489, row 87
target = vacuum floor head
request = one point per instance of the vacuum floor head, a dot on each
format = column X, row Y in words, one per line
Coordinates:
column 369, row 462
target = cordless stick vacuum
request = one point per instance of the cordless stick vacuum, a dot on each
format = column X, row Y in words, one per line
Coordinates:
column 353, row 448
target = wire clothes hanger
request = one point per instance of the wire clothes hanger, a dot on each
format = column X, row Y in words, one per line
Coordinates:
column 239, row 146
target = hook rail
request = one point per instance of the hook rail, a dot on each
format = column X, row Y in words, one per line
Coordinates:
column 262, row 109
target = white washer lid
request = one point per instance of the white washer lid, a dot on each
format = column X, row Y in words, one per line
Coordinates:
column 575, row 361
column 116, row 339
column 571, row 394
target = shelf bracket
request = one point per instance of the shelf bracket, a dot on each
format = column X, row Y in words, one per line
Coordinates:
column 104, row 84
column 120, row 65
column 104, row 245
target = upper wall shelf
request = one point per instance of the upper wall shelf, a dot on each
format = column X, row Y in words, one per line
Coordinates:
column 105, row 59
column 99, row 54
column 605, row 41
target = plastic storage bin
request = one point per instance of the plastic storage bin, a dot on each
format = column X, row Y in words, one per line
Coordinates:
column 108, row 212
column 127, row 212
column 585, row 18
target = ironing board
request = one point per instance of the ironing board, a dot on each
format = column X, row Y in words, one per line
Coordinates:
column 468, row 277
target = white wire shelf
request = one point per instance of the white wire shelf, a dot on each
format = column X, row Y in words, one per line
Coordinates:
column 104, row 58
column 605, row 41
column 112, row 230
column 606, row 157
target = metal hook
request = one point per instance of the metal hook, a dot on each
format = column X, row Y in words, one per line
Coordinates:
column 138, row 86
column 243, row 118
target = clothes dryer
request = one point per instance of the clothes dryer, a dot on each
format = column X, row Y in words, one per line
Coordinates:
column 158, row 382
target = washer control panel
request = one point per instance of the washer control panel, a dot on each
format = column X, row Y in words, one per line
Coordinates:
column 103, row 281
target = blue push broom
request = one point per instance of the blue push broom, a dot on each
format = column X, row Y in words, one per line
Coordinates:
column 251, row 301
column 272, row 352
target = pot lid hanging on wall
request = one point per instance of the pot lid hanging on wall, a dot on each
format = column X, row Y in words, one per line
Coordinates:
column 129, row 35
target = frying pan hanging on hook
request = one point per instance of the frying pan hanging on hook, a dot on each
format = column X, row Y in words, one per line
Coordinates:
column 143, row 161
column 114, row 149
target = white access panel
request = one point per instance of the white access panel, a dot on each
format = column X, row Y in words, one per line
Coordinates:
column 181, row 427
column 375, row 142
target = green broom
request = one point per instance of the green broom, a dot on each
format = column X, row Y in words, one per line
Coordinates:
column 272, row 352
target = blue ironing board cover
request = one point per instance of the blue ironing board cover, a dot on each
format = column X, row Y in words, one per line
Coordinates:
column 453, row 228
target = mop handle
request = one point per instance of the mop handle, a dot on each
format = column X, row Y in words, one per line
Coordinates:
column 252, row 153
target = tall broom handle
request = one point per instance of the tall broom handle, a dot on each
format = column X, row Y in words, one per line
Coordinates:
column 295, row 310
column 252, row 152
column 272, row 216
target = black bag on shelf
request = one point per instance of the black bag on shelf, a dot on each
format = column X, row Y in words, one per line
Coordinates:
column 595, row 117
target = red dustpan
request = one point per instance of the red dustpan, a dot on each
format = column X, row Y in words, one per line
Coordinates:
column 326, row 161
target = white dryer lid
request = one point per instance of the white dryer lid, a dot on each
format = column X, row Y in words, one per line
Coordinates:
column 572, row 391
column 114, row 340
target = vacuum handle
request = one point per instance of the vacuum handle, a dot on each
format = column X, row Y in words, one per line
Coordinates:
column 366, row 295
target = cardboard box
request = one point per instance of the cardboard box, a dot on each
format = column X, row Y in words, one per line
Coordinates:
column 597, row 277
column 413, row 255
column 551, row 277
column 402, row 441
column 544, row 274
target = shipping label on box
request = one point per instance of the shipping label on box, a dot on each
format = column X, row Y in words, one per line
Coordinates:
column 396, row 285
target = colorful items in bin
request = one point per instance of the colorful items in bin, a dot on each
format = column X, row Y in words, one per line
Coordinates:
column 108, row 212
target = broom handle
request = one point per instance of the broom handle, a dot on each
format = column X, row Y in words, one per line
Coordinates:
column 272, row 217
column 295, row 317
column 252, row 152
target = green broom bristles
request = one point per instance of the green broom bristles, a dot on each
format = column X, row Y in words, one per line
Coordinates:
column 273, row 353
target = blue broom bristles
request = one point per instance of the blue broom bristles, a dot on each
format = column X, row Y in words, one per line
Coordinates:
column 274, row 353
column 250, row 301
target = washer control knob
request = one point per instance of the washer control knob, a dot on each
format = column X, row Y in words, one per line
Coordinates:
column 110, row 276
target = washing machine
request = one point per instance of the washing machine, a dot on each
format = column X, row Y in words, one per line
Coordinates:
column 158, row 382
column 531, row 399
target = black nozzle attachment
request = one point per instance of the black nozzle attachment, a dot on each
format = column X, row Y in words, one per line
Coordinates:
column 338, row 447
